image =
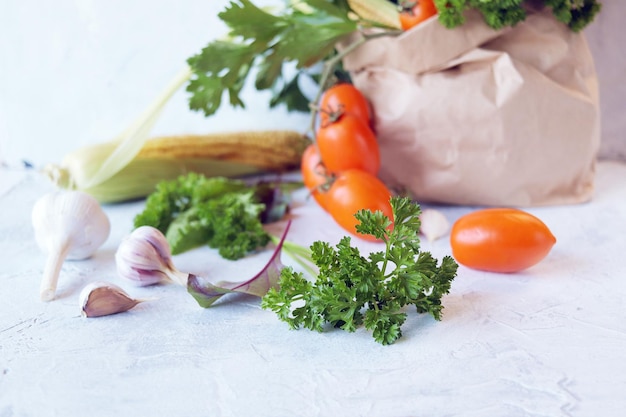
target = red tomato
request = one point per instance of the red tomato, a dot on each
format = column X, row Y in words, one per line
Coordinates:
column 344, row 98
column 352, row 191
column 500, row 240
column 348, row 143
column 314, row 174
column 415, row 12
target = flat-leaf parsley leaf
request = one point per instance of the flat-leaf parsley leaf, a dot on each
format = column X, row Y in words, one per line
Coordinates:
column 264, row 44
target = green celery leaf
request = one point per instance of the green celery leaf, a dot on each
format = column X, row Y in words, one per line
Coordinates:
column 221, row 66
column 261, row 43
column 269, row 72
column 206, row 93
column 250, row 22
column 311, row 39
column 291, row 96
column 336, row 8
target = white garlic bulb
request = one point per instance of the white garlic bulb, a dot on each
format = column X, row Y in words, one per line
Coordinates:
column 68, row 225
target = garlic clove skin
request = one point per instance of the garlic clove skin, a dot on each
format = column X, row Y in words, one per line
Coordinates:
column 68, row 225
column 102, row 299
column 144, row 258
column 434, row 224
column 140, row 277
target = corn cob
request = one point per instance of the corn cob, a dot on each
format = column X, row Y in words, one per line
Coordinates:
column 381, row 12
column 234, row 154
column 272, row 150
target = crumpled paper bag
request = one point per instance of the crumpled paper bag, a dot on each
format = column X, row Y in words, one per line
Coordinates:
column 475, row 116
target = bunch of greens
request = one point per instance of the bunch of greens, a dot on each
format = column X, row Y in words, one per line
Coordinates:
column 222, row 213
column 304, row 33
column 280, row 48
column 352, row 290
column 576, row 14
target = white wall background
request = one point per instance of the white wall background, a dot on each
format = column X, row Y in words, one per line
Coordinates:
column 607, row 40
column 74, row 72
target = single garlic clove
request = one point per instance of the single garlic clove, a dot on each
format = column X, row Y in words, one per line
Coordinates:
column 103, row 298
column 434, row 224
column 144, row 258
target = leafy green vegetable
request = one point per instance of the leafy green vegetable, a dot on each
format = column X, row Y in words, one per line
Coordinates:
column 171, row 198
column 502, row 13
column 269, row 46
column 222, row 213
column 352, row 290
column 303, row 35
column 577, row 14
column 206, row 292
column 230, row 223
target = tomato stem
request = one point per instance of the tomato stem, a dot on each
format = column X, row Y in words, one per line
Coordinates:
column 330, row 65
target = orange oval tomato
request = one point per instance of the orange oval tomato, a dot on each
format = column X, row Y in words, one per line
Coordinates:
column 352, row 191
column 344, row 98
column 314, row 174
column 348, row 143
column 500, row 240
column 414, row 12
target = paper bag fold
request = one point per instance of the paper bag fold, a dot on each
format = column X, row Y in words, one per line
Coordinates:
column 487, row 117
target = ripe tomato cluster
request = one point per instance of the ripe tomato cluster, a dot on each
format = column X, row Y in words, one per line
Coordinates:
column 340, row 169
column 414, row 12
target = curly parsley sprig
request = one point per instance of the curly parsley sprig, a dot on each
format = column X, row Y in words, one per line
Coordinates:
column 576, row 14
column 352, row 290
column 224, row 213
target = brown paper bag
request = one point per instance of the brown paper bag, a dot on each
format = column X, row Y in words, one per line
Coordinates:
column 475, row 116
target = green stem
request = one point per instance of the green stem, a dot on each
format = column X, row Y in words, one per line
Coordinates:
column 298, row 253
column 329, row 66
column 386, row 261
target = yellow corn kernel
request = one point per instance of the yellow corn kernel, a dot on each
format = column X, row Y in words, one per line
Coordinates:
column 277, row 150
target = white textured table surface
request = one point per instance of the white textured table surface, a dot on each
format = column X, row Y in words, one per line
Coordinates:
column 547, row 342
